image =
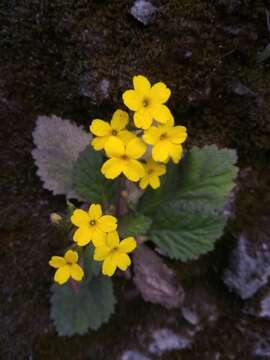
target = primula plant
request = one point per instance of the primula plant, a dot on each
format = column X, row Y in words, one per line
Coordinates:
column 135, row 185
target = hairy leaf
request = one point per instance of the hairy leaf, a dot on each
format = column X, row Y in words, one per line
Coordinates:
column 77, row 312
column 58, row 144
column 184, row 234
column 134, row 225
column 88, row 180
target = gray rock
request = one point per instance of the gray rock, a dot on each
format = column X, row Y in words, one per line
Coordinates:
column 143, row 11
column 97, row 90
column 166, row 340
column 249, row 266
column 133, row 355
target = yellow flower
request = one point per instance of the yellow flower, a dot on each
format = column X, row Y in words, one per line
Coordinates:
column 113, row 253
column 123, row 159
column 103, row 130
column 66, row 267
column 166, row 141
column 152, row 172
column 92, row 225
column 147, row 102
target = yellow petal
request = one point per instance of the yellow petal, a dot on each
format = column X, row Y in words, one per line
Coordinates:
column 160, row 151
column 62, row 275
column 83, row 236
column 158, row 169
column 170, row 121
column 108, row 266
column 152, row 135
column 143, row 119
column 112, row 168
column 144, row 182
column 133, row 170
column 76, row 272
column 101, row 253
column 114, row 147
column 159, row 93
column 176, row 153
column 71, row 256
column 154, row 181
column 100, row 128
column 128, row 244
column 126, row 136
column 160, row 113
column 132, row 100
column 57, row 262
column 135, row 148
column 107, row 223
column 99, row 237
column 177, row 134
column 122, row 261
column 99, row 142
column 119, row 120
column 113, row 240
column 141, row 84
column 95, row 212
column 80, row 218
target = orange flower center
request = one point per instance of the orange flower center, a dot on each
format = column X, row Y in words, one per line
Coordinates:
column 146, row 102
column 163, row 136
column 93, row 222
column 114, row 132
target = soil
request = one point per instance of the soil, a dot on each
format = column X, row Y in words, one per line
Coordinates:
column 54, row 55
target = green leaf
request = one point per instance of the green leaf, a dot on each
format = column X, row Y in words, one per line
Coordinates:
column 134, row 225
column 88, row 180
column 184, row 234
column 91, row 267
column 202, row 181
column 77, row 312
column 58, row 144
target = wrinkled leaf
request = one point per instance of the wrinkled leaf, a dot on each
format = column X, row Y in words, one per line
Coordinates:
column 58, row 144
column 88, row 180
column 77, row 312
column 91, row 267
column 134, row 225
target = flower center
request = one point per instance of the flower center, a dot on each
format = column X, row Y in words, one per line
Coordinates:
column 150, row 171
column 124, row 157
column 114, row 132
column 163, row 136
column 146, row 102
column 93, row 222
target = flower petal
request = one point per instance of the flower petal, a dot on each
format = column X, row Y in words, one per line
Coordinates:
column 126, row 136
column 113, row 240
column 114, row 147
column 98, row 143
column 112, row 168
column 160, row 151
column 144, row 182
column 143, row 119
column 71, row 256
column 141, row 84
column 99, row 237
column 128, row 244
column 57, row 262
column 76, row 272
column 119, row 120
column 152, row 135
column 132, row 100
column 62, row 275
column 122, row 261
column 176, row 153
column 160, row 113
column 154, row 181
column 95, row 212
column 177, row 134
column 135, row 148
column 101, row 253
column 79, row 218
column 107, row 223
column 83, row 235
column 159, row 93
column 133, row 170
column 108, row 266
column 100, row 128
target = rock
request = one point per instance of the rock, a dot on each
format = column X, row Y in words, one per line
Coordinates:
column 166, row 340
column 249, row 266
column 156, row 282
column 95, row 89
column 133, row 355
column 240, row 89
column 143, row 11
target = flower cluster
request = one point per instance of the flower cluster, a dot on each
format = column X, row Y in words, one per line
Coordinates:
column 140, row 151
column 101, row 230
